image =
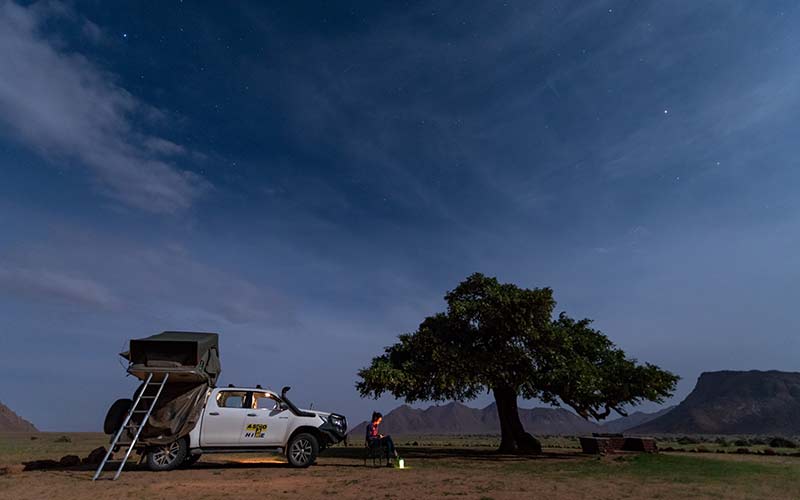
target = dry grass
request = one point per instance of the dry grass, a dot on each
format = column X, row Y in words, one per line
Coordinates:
column 433, row 472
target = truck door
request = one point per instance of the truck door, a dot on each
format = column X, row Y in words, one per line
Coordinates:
column 266, row 422
column 223, row 419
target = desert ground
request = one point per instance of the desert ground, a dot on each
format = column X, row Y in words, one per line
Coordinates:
column 435, row 468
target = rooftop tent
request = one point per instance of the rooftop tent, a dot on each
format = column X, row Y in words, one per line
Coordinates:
column 192, row 361
column 186, row 356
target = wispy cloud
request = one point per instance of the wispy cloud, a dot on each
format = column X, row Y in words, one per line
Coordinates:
column 179, row 286
column 53, row 286
column 67, row 108
column 161, row 280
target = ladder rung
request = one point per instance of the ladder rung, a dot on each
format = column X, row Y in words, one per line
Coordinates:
column 131, row 425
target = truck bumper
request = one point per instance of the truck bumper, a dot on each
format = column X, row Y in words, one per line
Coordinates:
column 333, row 434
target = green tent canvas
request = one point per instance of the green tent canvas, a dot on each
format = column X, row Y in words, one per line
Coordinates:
column 186, row 356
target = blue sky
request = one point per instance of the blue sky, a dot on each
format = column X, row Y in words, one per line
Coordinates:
column 310, row 179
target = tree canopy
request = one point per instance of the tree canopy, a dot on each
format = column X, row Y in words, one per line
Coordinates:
column 501, row 338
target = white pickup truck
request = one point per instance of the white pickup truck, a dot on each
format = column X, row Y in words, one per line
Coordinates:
column 178, row 413
column 252, row 420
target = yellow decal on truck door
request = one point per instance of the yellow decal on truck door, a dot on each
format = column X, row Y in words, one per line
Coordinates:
column 255, row 431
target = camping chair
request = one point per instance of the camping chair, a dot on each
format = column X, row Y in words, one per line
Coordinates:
column 374, row 450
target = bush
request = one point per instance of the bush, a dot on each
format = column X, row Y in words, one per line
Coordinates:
column 721, row 441
column 63, row 439
column 781, row 442
column 741, row 442
column 687, row 440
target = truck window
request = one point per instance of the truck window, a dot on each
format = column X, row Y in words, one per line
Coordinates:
column 231, row 399
column 264, row 401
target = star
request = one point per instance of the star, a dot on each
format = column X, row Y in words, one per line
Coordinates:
column 124, row 35
column 666, row 111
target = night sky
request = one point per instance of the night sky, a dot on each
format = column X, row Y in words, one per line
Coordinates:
column 309, row 179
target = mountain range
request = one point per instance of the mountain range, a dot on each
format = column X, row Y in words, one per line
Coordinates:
column 633, row 420
column 11, row 422
column 722, row 402
column 735, row 402
column 456, row 418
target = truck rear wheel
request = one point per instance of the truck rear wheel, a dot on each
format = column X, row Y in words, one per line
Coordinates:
column 167, row 457
column 302, row 450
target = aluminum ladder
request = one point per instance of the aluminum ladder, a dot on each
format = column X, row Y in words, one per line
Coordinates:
column 131, row 425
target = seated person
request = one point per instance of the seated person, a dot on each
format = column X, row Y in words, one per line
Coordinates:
column 375, row 438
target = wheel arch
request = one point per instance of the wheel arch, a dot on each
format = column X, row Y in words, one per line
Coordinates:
column 308, row 429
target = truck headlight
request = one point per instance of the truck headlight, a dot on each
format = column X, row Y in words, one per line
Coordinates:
column 338, row 421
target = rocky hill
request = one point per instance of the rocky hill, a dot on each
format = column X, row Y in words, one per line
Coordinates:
column 734, row 402
column 456, row 418
column 622, row 424
column 11, row 422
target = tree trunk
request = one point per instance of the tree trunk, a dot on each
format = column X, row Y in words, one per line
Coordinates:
column 513, row 438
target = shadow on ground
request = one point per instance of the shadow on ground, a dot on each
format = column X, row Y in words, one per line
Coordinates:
column 354, row 456
column 433, row 453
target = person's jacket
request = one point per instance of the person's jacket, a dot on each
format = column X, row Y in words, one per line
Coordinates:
column 372, row 431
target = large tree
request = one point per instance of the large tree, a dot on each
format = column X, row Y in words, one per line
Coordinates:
column 503, row 339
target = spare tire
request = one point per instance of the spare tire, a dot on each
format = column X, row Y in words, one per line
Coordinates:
column 116, row 415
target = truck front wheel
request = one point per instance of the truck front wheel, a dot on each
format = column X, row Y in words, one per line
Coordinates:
column 302, row 450
column 167, row 457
